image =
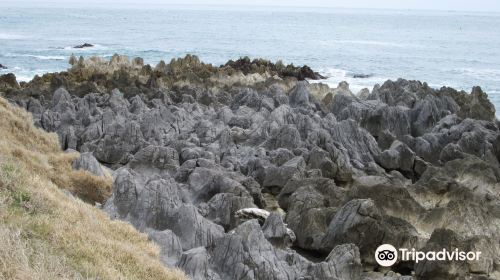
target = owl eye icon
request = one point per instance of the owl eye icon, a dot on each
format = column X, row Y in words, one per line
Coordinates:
column 386, row 255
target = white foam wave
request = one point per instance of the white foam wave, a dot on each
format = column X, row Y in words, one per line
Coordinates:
column 49, row 57
column 10, row 36
column 11, row 69
column 28, row 75
column 41, row 57
column 335, row 75
column 24, row 78
column 365, row 42
column 22, row 75
column 486, row 74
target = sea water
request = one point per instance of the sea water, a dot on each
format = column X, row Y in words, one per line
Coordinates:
column 362, row 47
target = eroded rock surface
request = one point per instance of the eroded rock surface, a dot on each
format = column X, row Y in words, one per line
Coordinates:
column 335, row 174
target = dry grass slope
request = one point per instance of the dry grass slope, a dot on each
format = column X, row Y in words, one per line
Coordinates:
column 45, row 232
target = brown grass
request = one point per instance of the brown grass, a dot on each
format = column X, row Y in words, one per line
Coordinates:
column 46, row 233
column 41, row 154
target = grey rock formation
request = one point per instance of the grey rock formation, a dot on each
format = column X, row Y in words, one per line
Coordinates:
column 276, row 232
column 398, row 157
column 359, row 222
column 195, row 263
column 310, row 205
column 449, row 240
column 277, row 177
column 299, row 95
column 192, row 228
column 347, row 261
column 89, row 163
column 170, row 245
column 222, row 208
column 248, row 255
column 193, row 148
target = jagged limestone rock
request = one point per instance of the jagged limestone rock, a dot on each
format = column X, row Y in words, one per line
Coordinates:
column 191, row 145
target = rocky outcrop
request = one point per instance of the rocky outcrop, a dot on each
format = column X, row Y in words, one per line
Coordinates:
column 8, row 82
column 247, row 171
column 452, row 269
column 82, row 46
column 246, row 66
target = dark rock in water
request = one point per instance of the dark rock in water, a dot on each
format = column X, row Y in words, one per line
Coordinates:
column 3, row 67
column 82, row 46
column 361, row 76
column 226, row 167
column 248, row 66
column 307, row 73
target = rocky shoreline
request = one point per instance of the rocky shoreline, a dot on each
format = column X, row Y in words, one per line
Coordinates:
column 336, row 174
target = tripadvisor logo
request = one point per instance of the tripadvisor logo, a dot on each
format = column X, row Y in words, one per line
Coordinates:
column 387, row 255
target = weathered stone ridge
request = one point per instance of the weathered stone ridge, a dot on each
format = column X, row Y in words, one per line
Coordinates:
column 248, row 171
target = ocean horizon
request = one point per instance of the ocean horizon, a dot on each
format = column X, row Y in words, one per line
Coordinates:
column 361, row 46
